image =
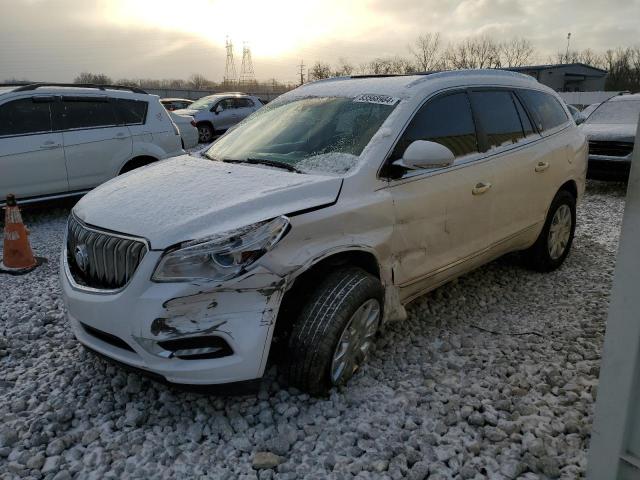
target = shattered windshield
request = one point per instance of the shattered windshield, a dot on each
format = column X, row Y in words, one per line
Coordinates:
column 312, row 134
column 616, row 112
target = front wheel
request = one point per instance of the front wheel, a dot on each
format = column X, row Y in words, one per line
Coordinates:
column 555, row 239
column 205, row 133
column 335, row 331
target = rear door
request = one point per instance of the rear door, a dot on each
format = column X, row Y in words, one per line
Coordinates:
column 96, row 144
column 244, row 108
column 506, row 136
column 31, row 155
column 550, row 158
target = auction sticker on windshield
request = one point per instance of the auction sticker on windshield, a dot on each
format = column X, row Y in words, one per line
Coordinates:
column 373, row 98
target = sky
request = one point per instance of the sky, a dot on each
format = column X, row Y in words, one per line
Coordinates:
column 54, row 40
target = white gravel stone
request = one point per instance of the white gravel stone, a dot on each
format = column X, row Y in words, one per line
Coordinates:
column 439, row 389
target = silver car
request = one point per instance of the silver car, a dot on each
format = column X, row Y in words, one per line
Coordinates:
column 217, row 113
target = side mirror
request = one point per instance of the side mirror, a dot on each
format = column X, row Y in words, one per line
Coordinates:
column 218, row 109
column 424, row 154
column 580, row 119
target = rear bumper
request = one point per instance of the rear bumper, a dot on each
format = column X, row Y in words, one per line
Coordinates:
column 131, row 325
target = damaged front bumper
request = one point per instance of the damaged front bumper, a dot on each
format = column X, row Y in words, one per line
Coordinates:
column 190, row 333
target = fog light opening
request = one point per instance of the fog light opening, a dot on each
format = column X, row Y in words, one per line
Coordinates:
column 197, row 348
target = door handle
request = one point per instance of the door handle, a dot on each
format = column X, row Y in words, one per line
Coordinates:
column 49, row 145
column 542, row 166
column 480, row 188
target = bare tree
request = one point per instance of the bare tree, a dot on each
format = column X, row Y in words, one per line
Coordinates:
column 426, row 52
column 477, row 52
column 388, row 66
column 319, row 70
column 96, row 78
column 516, row 52
column 344, row 68
column 198, row 82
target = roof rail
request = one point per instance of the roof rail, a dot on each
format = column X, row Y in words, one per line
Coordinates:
column 34, row 86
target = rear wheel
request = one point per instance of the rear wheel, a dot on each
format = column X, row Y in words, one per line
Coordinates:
column 555, row 239
column 335, row 331
column 205, row 132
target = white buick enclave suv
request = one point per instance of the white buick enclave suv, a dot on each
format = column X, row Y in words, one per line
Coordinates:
column 316, row 220
column 59, row 140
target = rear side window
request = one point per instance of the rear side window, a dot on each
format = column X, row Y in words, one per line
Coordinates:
column 546, row 109
column 243, row 103
column 447, row 120
column 498, row 116
column 25, row 116
column 87, row 113
column 132, row 112
column 527, row 126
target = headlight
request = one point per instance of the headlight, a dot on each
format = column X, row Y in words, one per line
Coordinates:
column 220, row 257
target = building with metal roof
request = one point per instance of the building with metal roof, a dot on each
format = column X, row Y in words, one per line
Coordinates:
column 568, row 77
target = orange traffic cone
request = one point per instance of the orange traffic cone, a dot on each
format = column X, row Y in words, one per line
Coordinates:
column 18, row 256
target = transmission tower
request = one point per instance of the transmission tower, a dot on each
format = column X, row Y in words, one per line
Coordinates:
column 301, row 67
column 247, row 75
column 230, row 75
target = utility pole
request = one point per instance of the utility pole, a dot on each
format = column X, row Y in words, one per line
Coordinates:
column 247, row 75
column 230, row 76
column 566, row 57
column 301, row 66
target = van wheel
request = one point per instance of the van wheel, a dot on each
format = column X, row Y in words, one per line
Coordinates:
column 205, row 133
column 335, row 331
column 555, row 239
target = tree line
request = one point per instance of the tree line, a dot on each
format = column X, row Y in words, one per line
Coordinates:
column 428, row 53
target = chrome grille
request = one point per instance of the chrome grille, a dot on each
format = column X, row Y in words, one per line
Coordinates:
column 100, row 259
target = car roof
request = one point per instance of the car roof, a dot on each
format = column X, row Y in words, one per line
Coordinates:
column 407, row 86
column 176, row 100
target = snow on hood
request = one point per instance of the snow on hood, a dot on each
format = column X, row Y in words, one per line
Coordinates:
column 623, row 132
column 186, row 198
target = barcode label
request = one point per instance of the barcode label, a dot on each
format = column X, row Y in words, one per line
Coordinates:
column 373, row 98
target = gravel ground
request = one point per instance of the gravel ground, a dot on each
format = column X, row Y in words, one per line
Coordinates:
column 492, row 376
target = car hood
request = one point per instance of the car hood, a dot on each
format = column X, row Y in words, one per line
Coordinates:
column 190, row 112
column 623, row 132
column 187, row 198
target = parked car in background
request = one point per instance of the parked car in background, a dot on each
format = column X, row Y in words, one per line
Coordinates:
column 63, row 140
column 577, row 115
column 188, row 129
column 611, row 131
column 316, row 220
column 217, row 113
column 588, row 110
column 172, row 104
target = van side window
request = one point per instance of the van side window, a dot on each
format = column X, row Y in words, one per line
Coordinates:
column 25, row 116
column 446, row 120
column 132, row 112
column 498, row 116
column 79, row 112
column 547, row 110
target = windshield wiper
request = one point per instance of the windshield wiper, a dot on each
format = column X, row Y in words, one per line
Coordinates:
column 264, row 161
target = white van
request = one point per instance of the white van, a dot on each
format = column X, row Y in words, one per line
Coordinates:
column 61, row 140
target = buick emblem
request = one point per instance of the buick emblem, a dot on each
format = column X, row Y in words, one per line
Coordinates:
column 81, row 256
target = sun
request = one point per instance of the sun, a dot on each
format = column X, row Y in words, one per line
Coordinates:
column 272, row 29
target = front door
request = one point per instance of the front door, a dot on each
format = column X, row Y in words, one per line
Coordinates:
column 31, row 155
column 443, row 216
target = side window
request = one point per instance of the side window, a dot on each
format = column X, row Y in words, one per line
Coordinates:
column 524, row 118
column 25, row 116
column 244, row 103
column 546, row 109
column 498, row 116
column 132, row 112
column 447, row 120
column 87, row 113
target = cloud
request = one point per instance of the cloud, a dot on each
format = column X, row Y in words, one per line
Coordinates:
column 56, row 39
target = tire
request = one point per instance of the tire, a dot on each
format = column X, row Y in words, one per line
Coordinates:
column 205, row 133
column 323, row 323
column 545, row 255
